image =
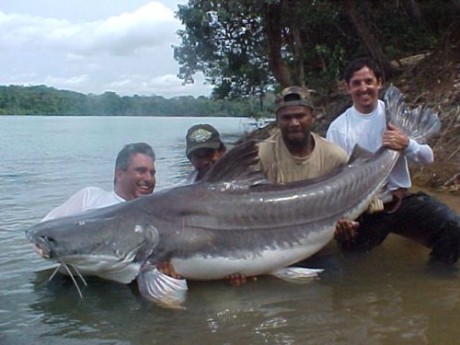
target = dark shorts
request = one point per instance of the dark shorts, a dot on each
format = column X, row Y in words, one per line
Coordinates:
column 421, row 218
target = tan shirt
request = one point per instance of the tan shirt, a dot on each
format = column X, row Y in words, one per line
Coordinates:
column 280, row 166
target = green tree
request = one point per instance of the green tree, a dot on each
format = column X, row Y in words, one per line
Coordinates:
column 43, row 100
column 250, row 47
column 225, row 40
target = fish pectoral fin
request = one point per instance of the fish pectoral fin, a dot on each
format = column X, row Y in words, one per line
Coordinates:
column 162, row 289
column 297, row 274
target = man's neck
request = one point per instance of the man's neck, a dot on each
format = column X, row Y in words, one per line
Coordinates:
column 366, row 110
column 119, row 194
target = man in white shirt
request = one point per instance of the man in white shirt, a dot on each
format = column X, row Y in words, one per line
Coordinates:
column 416, row 216
column 204, row 149
column 134, row 176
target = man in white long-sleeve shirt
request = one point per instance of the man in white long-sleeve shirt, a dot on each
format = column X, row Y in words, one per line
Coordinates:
column 134, row 176
column 416, row 216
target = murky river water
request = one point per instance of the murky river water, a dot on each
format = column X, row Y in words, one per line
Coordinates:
column 388, row 296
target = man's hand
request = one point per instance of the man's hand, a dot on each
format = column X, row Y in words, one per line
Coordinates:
column 168, row 269
column 376, row 205
column 395, row 139
column 238, row 279
column 345, row 230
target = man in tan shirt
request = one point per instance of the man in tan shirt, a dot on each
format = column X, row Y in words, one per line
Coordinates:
column 293, row 152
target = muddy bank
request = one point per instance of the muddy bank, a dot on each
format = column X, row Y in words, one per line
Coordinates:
column 451, row 199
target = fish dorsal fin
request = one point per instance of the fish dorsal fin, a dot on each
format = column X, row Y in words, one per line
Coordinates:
column 239, row 166
column 359, row 153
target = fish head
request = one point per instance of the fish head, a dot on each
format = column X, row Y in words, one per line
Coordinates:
column 105, row 242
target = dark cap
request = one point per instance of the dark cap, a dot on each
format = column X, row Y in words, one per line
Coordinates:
column 202, row 136
column 293, row 95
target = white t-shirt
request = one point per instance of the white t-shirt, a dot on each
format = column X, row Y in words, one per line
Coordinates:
column 85, row 199
column 353, row 127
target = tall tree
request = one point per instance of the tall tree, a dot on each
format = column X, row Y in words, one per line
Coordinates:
column 246, row 47
column 225, row 41
column 373, row 46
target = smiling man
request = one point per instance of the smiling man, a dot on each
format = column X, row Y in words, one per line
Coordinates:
column 417, row 216
column 134, row 176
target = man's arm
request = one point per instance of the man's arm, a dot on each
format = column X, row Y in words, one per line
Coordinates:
column 74, row 205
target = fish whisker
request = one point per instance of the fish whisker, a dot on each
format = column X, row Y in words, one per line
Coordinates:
column 69, row 271
column 54, row 273
column 80, row 275
column 71, row 275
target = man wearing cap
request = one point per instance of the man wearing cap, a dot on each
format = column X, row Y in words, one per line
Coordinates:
column 293, row 152
column 204, row 149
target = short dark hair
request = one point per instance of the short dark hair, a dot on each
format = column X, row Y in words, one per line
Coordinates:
column 357, row 64
column 124, row 156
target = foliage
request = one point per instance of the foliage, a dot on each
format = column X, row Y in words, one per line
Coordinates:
column 42, row 100
column 224, row 39
column 248, row 47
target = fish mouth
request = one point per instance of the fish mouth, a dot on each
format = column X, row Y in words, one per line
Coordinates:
column 41, row 246
column 42, row 252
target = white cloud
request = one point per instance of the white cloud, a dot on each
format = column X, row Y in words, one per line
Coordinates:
column 128, row 53
column 150, row 25
column 68, row 83
column 167, row 85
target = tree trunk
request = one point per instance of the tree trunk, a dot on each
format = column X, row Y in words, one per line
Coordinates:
column 299, row 76
column 272, row 29
column 370, row 42
column 413, row 9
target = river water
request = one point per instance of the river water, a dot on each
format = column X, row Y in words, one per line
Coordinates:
column 388, row 296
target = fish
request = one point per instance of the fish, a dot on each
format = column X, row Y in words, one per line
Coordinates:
column 232, row 222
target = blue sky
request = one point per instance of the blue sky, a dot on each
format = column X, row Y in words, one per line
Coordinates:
column 93, row 46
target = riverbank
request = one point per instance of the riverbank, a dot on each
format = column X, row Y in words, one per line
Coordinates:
column 449, row 198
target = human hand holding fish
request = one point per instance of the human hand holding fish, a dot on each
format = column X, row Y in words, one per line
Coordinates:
column 239, row 279
column 345, row 230
column 394, row 138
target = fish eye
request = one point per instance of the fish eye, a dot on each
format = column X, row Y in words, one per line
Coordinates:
column 47, row 239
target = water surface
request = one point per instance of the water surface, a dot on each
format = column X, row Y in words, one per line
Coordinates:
column 388, row 296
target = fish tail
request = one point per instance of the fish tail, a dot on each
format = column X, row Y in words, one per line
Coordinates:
column 420, row 123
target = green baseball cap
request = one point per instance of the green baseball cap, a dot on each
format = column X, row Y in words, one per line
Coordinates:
column 202, row 136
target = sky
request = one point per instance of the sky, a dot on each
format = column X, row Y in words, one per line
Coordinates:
column 94, row 46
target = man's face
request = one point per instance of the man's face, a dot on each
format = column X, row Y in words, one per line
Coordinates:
column 294, row 123
column 364, row 90
column 138, row 179
column 204, row 159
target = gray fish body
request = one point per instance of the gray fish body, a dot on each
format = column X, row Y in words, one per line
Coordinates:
column 213, row 229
